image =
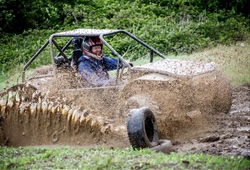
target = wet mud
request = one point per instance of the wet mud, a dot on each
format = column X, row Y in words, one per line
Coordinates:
column 54, row 118
column 228, row 133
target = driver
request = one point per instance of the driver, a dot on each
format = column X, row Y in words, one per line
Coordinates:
column 93, row 66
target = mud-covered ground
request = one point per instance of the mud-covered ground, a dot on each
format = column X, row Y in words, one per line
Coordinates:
column 220, row 134
column 229, row 133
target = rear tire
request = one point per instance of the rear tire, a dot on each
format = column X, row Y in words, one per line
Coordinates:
column 142, row 128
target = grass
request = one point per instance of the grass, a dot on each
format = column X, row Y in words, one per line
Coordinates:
column 100, row 158
column 233, row 61
column 13, row 77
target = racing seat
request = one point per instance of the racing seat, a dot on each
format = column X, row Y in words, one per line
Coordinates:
column 76, row 54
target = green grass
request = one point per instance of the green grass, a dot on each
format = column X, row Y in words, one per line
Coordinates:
column 100, row 158
column 9, row 79
column 232, row 60
column 13, row 77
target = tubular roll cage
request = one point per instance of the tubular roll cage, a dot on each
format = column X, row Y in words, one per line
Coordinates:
column 86, row 33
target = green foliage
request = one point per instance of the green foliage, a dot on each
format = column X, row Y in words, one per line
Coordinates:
column 172, row 27
column 19, row 15
column 18, row 49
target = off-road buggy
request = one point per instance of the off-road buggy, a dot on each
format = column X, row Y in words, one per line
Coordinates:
column 163, row 99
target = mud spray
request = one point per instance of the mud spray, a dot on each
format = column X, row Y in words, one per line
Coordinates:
column 55, row 116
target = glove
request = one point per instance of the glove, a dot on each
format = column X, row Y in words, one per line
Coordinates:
column 59, row 60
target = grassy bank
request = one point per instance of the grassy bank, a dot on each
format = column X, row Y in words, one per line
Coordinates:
column 233, row 60
column 97, row 158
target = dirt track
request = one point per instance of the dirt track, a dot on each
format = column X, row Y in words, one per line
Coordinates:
column 228, row 134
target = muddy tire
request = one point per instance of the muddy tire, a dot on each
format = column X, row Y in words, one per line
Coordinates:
column 142, row 128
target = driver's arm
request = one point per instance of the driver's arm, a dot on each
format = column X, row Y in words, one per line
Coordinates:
column 93, row 79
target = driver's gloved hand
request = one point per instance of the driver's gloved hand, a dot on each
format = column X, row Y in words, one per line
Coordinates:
column 59, row 60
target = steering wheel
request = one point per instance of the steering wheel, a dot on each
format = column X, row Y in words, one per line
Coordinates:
column 118, row 73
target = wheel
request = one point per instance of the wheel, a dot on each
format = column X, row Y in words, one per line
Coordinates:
column 142, row 128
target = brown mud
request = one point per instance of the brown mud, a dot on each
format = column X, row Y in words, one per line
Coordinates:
column 35, row 120
column 227, row 133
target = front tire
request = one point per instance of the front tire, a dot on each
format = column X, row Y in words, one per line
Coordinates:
column 142, row 128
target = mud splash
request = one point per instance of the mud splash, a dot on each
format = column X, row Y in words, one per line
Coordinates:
column 28, row 119
column 37, row 123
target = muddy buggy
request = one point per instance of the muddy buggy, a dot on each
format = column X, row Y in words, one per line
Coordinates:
column 162, row 99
